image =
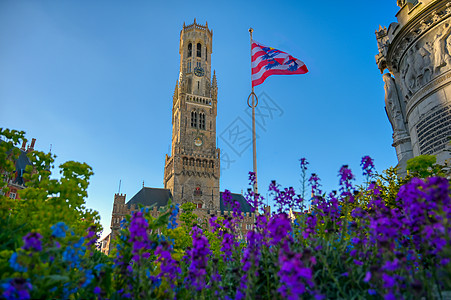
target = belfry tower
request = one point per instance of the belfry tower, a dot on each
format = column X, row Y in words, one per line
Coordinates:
column 191, row 172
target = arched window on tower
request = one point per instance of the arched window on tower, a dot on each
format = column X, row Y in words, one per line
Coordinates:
column 206, row 54
column 202, row 121
column 199, row 50
column 193, row 119
column 190, row 49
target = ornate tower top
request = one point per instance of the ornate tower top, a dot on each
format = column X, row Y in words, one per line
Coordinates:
column 192, row 170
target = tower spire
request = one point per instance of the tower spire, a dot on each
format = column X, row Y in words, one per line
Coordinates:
column 214, row 82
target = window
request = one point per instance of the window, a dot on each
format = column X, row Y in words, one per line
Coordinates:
column 12, row 195
column 198, row 85
column 199, row 205
column 202, row 121
column 199, row 50
column 193, row 119
column 190, row 49
column 197, row 191
column 206, row 55
column 198, row 64
column 188, row 67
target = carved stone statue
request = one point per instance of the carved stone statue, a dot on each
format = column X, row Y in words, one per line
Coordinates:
column 409, row 73
column 440, row 47
column 422, row 66
column 393, row 105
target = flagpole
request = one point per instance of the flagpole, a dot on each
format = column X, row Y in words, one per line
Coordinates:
column 254, row 138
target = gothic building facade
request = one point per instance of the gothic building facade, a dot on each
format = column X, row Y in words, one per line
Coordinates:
column 192, row 170
column 416, row 51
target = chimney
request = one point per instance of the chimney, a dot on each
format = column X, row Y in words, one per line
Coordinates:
column 24, row 143
column 31, row 147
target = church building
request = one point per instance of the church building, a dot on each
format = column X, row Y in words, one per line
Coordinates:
column 192, row 170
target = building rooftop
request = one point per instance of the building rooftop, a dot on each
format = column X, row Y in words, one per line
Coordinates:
column 160, row 197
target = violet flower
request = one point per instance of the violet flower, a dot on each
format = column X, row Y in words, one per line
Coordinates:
column 198, row 257
column 32, row 241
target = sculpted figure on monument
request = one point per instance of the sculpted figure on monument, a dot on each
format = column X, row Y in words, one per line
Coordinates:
column 448, row 49
column 393, row 105
column 408, row 73
column 440, row 47
column 422, row 66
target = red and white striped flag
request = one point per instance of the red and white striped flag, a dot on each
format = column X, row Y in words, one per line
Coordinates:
column 268, row 61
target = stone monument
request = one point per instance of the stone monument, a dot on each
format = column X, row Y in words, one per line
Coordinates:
column 416, row 51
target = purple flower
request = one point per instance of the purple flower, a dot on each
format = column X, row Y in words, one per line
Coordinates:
column 314, row 182
column 32, row 241
column 367, row 276
column 169, row 267
column 367, row 164
column 303, row 164
column 92, row 235
column 294, row 275
column 278, row 227
column 198, row 257
column 389, row 281
column 138, row 234
column 311, row 226
column 97, row 290
column 17, row 288
column 346, row 176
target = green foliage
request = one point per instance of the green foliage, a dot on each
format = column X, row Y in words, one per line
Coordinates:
column 424, row 166
column 187, row 216
column 44, row 202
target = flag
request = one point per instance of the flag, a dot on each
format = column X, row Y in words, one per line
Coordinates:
column 268, row 61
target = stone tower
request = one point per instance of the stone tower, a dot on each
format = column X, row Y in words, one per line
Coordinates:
column 416, row 50
column 191, row 172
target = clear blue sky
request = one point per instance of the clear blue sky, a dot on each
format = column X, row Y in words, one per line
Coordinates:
column 95, row 80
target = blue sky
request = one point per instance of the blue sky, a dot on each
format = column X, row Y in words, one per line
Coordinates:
column 95, row 80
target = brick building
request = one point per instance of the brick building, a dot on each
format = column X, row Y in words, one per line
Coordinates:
column 15, row 182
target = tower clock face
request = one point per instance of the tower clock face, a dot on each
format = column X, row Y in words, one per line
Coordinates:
column 198, row 142
column 199, row 71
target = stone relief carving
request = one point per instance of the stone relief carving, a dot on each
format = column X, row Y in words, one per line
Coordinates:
column 423, row 63
column 422, row 66
column 393, row 106
column 401, row 3
column 441, row 50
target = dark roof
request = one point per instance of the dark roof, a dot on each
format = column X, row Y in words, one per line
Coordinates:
column 151, row 197
column 21, row 162
column 160, row 197
column 245, row 207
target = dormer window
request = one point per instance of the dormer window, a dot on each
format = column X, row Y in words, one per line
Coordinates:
column 199, row 50
column 190, row 49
